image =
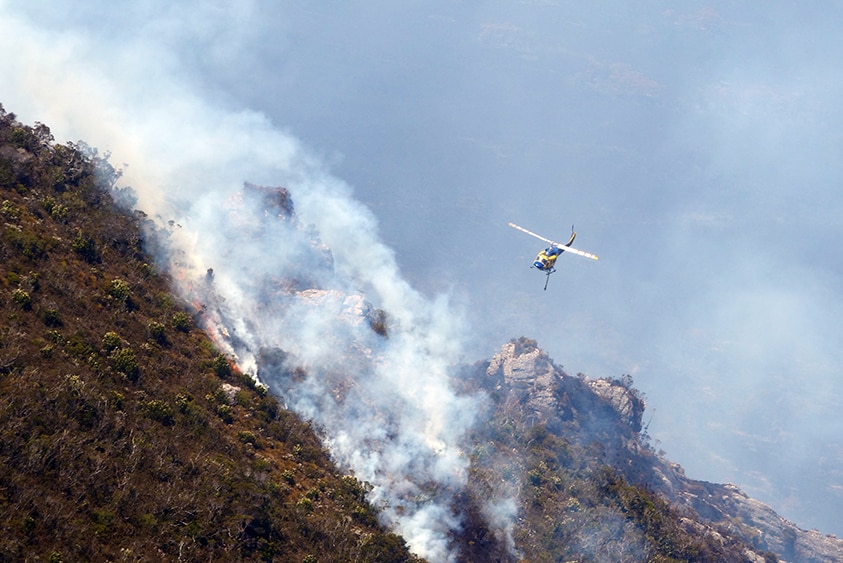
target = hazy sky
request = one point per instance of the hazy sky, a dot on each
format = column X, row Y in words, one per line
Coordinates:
column 694, row 145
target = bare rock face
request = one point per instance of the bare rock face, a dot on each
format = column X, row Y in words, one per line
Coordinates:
column 622, row 399
column 528, row 375
column 230, row 392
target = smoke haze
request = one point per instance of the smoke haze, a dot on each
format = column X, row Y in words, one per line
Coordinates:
column 696, row 148
column 397, row 424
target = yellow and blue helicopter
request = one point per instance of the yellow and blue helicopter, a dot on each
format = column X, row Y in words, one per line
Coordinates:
column 546, row 259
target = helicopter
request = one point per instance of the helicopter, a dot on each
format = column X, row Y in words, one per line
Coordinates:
column 546, row 259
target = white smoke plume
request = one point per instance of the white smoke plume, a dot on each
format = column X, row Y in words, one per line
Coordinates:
column 384, row 404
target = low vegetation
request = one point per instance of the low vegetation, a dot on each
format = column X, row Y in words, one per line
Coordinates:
column 116, row 441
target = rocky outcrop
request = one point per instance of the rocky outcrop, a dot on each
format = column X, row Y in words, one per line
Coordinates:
column 609, row 412
column 622, row 399
column 526, row 378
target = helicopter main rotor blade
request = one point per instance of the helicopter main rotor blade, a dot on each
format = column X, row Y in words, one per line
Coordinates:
column 531, row 233
column 556, row 244
column 578, row 252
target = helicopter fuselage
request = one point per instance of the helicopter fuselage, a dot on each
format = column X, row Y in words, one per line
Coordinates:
column 546, row 259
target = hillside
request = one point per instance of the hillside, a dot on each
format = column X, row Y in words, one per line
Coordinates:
column 596, row 491
column 124, row 434
column 127, row 432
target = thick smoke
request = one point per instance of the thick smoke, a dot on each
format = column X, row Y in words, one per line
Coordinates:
column 297, row 318
column 292, row 311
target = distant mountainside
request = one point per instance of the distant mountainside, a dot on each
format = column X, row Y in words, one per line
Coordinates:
column 127, row 433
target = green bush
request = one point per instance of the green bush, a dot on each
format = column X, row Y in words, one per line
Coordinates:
column 226, row 413
column 247, row 437
column 26, row 242
column 183, row 401
column 156, row 332
column 85, row 247
column 22, row 298
column 119, row 289
column 124, row 361
column 182, row 321
column 56, row 210
column 305, row 504
column 221, row 365
column 116, row 400
column 9, row 210
column 52, row 318
column 111, row 341
column 160, row 411
column 55, row 337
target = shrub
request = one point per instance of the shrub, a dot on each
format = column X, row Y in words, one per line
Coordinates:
column 111, row 341
column 52, row 318
column 124, row 361
column 7, row 173
column 102, row 521
column 226, row 413
column 156, row 332
column 183, row 401
column 9, row 209
column 26, row 242
column 221, row 365
column 182, row 321
column 117, row 400
column 159, row 411
column 56, row 210
column 85, row 247
column 77, row 345
column 386, row 548
column 22, row 298
column 119, row 289
column 247, row 437
column 378, row 322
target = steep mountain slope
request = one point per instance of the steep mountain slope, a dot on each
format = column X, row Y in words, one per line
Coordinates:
column 124, row 434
